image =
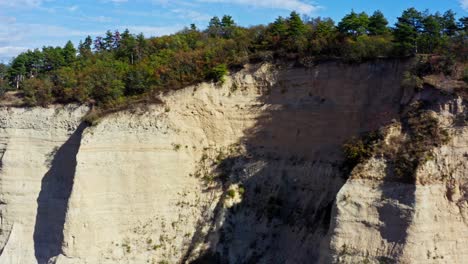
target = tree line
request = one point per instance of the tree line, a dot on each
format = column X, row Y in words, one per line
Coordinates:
column 116, row 67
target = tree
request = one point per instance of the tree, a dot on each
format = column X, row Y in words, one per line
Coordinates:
column 137, row 80
column 37, row 92
column 69, row 53
column 127, row 47
column 17, row 71
column 66, row 82
column 296, row 25
column 3, row 78
column 324, row 36
column 85, row 47
column 227, row 26
column 214, row 27
column 279, row 28
column 407, row 30
column 140, row 46
column 378, row 24
column 449, row 24
column 104, row 80
column 99, row 44
column 354, row 24
column 463, row 24
column 430, row 37
column 53, row 58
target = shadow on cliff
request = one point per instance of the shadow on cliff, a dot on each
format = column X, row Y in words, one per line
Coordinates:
column 293, row 166
column 53, row 199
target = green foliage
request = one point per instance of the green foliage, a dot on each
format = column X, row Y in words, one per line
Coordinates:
column 378, row 24
column 218, row 73
column 407, row 30
column 113, row 69
column 366, row 47
column 231, row 193
column 37, row 92
column 424, row 133
column 411, row 81
column 358, row 150
column 354, row 24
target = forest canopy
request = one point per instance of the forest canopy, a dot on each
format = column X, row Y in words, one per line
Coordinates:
column 111, row 69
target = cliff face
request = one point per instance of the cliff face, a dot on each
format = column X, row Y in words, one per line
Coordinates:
column 250, row 171
column 36, row 166
column 380, row 219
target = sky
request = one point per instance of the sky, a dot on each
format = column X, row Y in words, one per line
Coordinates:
column 29, row 24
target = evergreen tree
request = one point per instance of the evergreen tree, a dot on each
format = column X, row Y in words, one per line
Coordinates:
column 53, row 58
column 214, row 27
column 407, row 31
column 449, row 23
column 296, row 25
column 85, row 47
column 140, row 46
column 108, row 43
column 127, row 47
column 430, row 37
column 378, row 24
column 463, row 24
column 279, row 28
column 228, row 26
column 354, row 24
column 69, row 53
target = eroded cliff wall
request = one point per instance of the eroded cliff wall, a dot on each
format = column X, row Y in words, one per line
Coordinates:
column 36, row 165
column 250, row 171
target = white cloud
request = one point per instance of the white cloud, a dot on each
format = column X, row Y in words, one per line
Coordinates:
column 73, row 8
column 10, row 51
column 297, row 5
column 114, row 1
column 99, row 19
column 191, row 15
column 464, row 4
column 21, row 3
column 18, row 37
column 151, row 31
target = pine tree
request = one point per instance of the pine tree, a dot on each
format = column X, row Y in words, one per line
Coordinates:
column 449, row 23
column 85, row 47
column 378, row 24
column 407, row 30
column 354, row 24
column 296, row 25
column 214, row 27
column 69, row 53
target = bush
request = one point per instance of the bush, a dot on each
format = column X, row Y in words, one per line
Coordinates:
column 231, row 193
column 366, row 47
column 424, row 134
column 411, row 81
column 37, row 92
column 218, row 73
column 358, row 150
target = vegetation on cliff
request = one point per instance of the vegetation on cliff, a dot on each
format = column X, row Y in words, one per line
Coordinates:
column 115, row 69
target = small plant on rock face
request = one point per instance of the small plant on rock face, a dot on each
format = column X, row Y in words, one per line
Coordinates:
column 218, row 73
column 176, row 147
column 359, row 149
column 241, row 191
column 231, row 193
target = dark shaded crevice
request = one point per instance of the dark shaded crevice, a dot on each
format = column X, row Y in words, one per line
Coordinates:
column 286, row 209
column 56, row 188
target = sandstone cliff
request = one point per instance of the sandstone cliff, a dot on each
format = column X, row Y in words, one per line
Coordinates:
column 250, row 171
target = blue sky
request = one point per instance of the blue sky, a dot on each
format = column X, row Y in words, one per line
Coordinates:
column 28, row 24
